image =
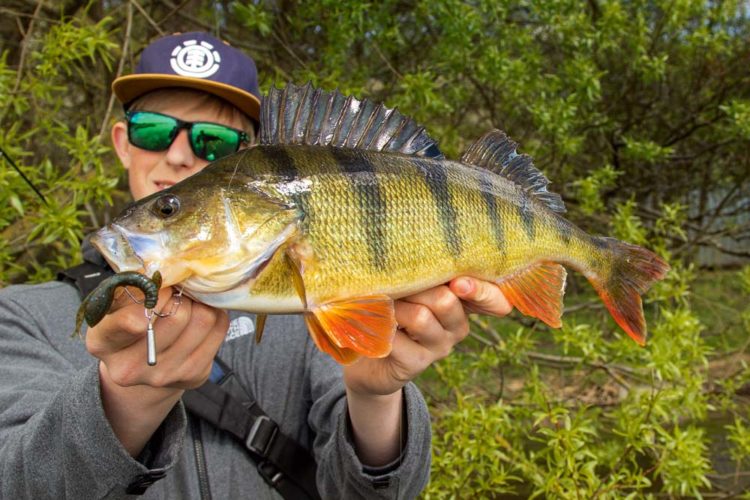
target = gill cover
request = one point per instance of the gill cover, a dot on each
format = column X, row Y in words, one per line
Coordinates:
column 200, row 234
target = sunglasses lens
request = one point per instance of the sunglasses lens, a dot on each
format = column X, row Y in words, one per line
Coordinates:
column 211, row 141
column 151, row 131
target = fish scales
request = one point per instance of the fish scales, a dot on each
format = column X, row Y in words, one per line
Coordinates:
column 371, row 203
column 342, row 210
column 365, row 208
column 492, row 212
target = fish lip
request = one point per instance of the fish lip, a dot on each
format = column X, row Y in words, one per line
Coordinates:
column 116, row 250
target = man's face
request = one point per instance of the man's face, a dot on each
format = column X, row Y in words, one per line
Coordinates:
column 152, row 171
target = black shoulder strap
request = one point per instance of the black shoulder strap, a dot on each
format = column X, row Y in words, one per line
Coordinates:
column 281, row 461
column 222, row 401
column 85, row 276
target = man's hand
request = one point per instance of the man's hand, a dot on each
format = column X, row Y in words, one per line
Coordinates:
column 430, row 323
column 137, row 397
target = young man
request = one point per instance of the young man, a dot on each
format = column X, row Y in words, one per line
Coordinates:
column 94, row 420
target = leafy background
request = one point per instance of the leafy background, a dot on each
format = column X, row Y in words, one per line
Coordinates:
column 639, row 113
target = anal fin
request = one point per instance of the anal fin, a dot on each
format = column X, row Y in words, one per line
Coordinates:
column 347, row 329
column 537, row 291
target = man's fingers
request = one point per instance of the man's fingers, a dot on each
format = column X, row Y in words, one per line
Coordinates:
column 201, row 324
column 442, row 304
column 418, row 322
column 481, row 296
column 186, row 343
column 412, row 358
column 186, row 363
column 127, row 325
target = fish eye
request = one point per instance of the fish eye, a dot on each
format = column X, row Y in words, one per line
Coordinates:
column 166, row 206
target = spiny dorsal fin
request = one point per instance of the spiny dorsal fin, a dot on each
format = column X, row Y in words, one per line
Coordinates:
column 496, row 152
column 314, row 117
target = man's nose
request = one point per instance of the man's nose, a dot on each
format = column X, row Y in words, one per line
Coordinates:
column 180, row 154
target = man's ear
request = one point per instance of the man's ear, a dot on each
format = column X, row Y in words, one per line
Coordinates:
column 121, row 143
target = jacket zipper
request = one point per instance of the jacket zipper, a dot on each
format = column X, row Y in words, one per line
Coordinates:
column 200, row 459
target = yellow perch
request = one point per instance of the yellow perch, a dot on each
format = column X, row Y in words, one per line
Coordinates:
column 346, row 205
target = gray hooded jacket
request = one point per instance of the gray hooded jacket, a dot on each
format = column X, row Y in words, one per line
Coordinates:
column 55, row 441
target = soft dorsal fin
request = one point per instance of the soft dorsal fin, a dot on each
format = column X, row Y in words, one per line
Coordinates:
column 314, row 117
column 496, row 152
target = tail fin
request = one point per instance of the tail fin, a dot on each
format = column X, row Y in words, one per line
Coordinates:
column 632, row 271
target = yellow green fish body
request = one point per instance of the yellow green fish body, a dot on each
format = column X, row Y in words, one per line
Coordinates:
column 336, row 228
column 390, row 223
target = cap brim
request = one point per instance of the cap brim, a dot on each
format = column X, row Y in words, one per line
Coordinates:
column 130, row 87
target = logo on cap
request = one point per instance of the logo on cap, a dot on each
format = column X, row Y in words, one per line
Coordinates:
column 193, row 59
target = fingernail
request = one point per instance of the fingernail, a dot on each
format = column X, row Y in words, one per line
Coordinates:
column 463, row 286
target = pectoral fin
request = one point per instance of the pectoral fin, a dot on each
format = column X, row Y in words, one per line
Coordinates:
column 349, row 328
column 296, row 272
column 260, row 324
column 342, row 355
column 538, row 291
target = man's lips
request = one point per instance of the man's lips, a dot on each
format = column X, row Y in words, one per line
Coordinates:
column 163, row 184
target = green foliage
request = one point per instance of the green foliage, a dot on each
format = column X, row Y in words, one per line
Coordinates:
column 581, row 412
column 482, row 452
column 56, row 146
column 645, row 151
column 739, row 435
column 744, row 276
column 683, row 465
column 590, row 188
column 627, row 226
column 739, row 117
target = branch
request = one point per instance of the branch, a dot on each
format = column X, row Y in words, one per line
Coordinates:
column 718, row 246
column 385, row 60
column 173, row 11
column 24, row 48
column 103, row 128
column 592, row 304
column 25, row 45
column 18, row 14
column 575, row 360
column 148, row 18
column 120, row 67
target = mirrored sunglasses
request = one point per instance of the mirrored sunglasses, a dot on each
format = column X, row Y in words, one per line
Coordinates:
column 156, row 132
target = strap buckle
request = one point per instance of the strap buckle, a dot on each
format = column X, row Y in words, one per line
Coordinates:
column 261, row 435
column 270, row 473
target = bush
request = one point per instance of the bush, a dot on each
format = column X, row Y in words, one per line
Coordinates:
column 638, row 112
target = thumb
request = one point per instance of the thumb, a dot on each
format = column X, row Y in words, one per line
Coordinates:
column 481, row 296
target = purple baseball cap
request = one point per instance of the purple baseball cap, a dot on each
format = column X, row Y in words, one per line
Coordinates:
column 196, row 61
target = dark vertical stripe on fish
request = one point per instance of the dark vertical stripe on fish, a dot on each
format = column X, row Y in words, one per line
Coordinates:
column 526, row 212
column 370, row 201
column 437, row 181
column 565, row 230
column 485, row 186
column 280, row 160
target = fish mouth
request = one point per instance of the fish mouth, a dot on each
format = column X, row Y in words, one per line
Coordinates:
column 116, row 250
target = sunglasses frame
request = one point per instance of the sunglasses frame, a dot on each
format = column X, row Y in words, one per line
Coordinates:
column 242, row 137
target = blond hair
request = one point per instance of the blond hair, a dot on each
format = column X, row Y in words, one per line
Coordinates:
column 159, row 100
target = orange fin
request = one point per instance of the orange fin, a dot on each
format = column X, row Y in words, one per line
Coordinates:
column 537, row 291
column 342, row 355
column 363, row 326
column 632, row 271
